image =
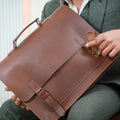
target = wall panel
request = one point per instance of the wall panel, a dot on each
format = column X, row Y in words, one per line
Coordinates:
column 11, row 23
column 14, row 16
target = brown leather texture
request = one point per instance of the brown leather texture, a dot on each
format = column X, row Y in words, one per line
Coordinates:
column 116, row 117
column 51, row 68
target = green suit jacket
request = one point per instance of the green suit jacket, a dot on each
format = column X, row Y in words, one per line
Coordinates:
column 103, row 15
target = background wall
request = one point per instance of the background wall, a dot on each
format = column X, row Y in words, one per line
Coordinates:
column 14, row 16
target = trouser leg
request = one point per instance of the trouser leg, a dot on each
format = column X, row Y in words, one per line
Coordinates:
column 99, row 103
column 10, row 111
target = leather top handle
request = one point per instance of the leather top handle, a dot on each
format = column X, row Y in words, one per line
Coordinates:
column 15, row 41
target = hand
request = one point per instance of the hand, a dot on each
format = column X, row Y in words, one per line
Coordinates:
column 17, row 100
column 109, row 43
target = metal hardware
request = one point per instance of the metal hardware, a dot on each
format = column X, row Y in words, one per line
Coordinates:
column 38, row 91
column 38, row 21
column 14, row 44
column 15, row 41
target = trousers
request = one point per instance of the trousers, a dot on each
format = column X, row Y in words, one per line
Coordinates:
column 100, row 102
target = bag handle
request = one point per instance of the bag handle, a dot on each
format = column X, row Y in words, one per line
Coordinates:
column 15, row 41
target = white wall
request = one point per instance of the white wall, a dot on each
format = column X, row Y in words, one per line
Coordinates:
column 36, row 8
column 11, row 23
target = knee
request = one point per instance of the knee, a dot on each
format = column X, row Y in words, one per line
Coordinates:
column 6, row 106
column 5, row 109
column 86, row 109
column 97, row 104
column 82, row 112
column 10, row 111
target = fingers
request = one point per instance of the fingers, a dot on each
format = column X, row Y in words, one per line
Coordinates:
column 99, row 39
column 91, row 37
column 7, row 89
column 102, row 47
column 107, row 50
column 18, row 101
column 113, row 53
column 14, row 97
column 107, row 45
column 23, row 106
column 27, row 109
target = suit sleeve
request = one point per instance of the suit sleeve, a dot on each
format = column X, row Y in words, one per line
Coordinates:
column 49, row 8
column 43, row 16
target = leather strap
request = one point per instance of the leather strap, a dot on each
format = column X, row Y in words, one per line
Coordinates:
column 15, row 40
column 49, row 99
column 94, row 48
column 53, row 104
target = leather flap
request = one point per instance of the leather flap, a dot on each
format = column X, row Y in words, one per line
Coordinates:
column 43, row 52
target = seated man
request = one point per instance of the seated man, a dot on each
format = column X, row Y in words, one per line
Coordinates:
column 102, row 100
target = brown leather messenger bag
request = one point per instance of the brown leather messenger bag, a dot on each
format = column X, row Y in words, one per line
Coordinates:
column 52, row 68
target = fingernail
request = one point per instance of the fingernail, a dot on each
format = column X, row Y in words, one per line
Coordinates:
column 103, row 54
column 18, row 99
column 86, row 44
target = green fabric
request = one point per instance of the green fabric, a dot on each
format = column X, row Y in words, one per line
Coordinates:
column 49, row 8
column 103, row 15
column 94, row 104
column 10, row 111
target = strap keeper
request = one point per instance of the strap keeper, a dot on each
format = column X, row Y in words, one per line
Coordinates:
column 47, row 97
column 53, row 104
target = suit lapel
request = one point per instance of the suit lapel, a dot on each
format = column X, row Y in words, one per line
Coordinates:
column 96, row 13
column 93, row 13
